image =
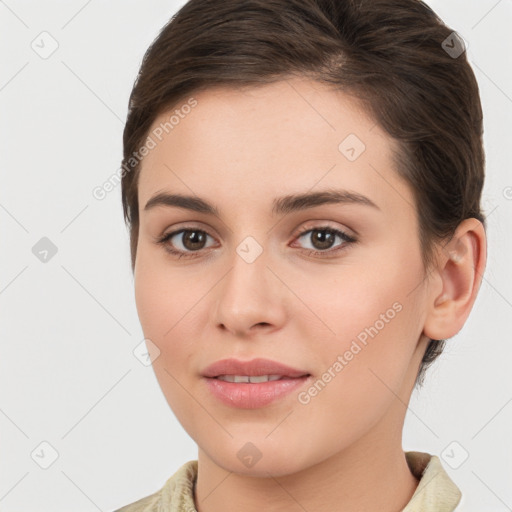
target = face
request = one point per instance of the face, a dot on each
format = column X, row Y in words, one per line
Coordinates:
column 330, row 285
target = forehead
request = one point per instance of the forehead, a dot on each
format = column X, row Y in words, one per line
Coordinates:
column 260, row 142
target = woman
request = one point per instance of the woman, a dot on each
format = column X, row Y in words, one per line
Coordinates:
column 302, row 183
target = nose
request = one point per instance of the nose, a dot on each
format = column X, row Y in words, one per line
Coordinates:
column 250, row 297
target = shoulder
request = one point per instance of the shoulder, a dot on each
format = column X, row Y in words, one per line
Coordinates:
column 176, row 495
column 436, row 492
column 147, row 504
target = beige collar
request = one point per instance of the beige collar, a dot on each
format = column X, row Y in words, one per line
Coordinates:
column 436, row 492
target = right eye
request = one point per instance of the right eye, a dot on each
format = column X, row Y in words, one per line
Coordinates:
column 187, row 242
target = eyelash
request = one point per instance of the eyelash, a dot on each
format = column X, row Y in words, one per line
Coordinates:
column 311, row 252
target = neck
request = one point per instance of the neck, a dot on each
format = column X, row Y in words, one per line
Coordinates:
column 372, row 474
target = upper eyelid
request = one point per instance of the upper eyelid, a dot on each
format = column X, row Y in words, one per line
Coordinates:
column 321, row 227
column 305, row 227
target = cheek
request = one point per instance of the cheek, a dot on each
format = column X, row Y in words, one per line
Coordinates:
column 159, row 314
column 168, row 304
column 152, row 301
column 374, row 322
column 164, row 302
column 162, row 295
column 363, row 366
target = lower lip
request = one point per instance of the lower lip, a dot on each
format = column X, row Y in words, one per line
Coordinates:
column 253, row 395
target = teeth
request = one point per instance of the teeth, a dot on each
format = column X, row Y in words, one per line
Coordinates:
column 248, row 379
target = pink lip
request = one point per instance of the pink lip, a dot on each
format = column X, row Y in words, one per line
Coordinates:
column 253, row 367
column 252, row 395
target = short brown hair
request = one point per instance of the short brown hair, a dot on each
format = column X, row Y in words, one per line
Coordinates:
column 390, row 54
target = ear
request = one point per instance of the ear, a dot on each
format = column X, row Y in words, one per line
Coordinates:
column 459, row 272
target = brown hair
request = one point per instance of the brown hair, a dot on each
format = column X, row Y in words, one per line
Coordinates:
column 393, row 55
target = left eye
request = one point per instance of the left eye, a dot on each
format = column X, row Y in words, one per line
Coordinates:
column 323, row 238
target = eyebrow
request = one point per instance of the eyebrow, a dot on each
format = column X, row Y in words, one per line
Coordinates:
column 281, row 206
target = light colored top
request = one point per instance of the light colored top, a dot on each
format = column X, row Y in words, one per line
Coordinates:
column 436, row 492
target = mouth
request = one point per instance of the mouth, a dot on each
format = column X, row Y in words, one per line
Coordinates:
column 252, row 384
column 244, row 371
column 255, row 379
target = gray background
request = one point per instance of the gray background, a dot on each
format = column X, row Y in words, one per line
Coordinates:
column 69, row 326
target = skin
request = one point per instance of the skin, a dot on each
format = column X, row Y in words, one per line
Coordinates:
column 240, row 149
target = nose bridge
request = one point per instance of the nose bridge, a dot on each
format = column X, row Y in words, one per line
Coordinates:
column 248, row 277
column 248, row 294
column 250, row 250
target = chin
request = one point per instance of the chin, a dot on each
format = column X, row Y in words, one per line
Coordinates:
column 261, row 459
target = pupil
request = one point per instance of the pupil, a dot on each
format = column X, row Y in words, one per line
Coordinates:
column 324, row 240
column 194, row 240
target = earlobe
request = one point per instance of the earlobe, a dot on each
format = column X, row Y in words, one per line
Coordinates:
column 460, row 267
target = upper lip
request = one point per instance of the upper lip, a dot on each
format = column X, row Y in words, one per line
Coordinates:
column 253, row 367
